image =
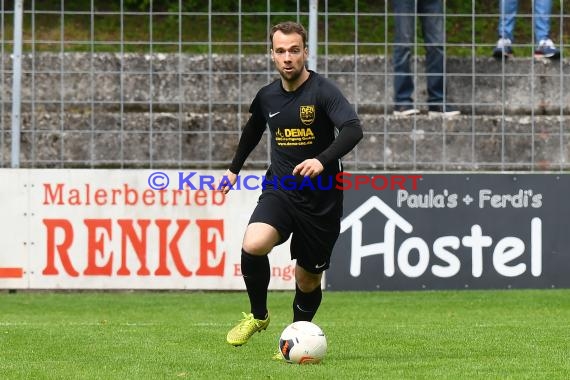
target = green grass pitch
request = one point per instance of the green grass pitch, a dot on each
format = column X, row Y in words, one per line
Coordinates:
column 507, row 334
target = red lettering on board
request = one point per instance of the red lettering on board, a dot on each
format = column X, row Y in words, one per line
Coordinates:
column 208, row 248
column 62, row 248
column 133, row 234
column 96, row 247
column 172, row 246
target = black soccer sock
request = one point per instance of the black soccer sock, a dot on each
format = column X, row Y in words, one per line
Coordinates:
column 256, row 275
column 305, row 305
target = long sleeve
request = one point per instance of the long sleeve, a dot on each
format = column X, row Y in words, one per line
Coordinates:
column 350, row 133
column 249, row 139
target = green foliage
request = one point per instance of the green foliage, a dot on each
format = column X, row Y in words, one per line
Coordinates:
column 471, row 26
column 140, row 5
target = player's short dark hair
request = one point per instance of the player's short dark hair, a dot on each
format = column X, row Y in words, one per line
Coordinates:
column 289, row 27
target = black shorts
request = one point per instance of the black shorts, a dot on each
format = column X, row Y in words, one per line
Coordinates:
column 312, row 238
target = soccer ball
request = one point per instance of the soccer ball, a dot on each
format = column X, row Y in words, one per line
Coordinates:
column 303, row 342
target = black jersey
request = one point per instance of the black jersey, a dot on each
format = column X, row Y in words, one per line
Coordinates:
column 303, row 124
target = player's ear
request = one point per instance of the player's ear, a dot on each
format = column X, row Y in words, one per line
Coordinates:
column 272, row 55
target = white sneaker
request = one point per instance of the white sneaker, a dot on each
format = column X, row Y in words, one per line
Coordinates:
column 546, row 49
column 405, row 110
column 503, row 49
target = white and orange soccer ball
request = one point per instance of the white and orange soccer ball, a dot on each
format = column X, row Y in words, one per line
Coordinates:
column 303, row 343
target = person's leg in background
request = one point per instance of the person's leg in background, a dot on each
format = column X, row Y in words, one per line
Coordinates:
column 431, row 16
column 541, row 17
column 508, row 12
column 404, row 40
column 507, row 18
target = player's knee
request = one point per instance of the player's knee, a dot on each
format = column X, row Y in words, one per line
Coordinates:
column 256, row 247
column 259, row 239
column 308, row 283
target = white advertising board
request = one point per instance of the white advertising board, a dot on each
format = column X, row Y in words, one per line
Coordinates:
column 108, row 229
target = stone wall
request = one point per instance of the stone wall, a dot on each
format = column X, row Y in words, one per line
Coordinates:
column 169, row 110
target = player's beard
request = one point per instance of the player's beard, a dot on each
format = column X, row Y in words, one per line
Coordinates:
column 291, row 76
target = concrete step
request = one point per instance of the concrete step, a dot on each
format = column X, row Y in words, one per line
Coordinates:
column 199, row 83
column 482, row 142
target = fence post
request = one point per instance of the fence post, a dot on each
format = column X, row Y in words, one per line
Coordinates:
column 313, row 29
column 16, row 83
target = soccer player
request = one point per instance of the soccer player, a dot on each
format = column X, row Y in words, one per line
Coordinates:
column 312, row 126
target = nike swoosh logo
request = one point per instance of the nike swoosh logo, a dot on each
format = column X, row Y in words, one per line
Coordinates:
column 320, row 266
column 299, row 307
column 273, row 114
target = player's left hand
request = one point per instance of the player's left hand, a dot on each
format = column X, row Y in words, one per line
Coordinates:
column 310, row 167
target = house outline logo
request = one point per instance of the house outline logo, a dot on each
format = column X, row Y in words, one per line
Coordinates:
column 502, row 252
column 354, row 222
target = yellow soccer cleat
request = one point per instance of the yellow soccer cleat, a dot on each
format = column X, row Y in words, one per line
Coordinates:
column 245, row 329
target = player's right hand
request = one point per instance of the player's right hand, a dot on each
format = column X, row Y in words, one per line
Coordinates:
column 227, row 181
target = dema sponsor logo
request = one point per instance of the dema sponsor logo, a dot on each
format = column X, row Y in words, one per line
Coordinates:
column 299, row 132
column 294, row 136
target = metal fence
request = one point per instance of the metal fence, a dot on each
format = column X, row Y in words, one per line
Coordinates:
column 97, row 84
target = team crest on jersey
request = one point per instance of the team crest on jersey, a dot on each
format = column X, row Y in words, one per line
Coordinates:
column 307, row 114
